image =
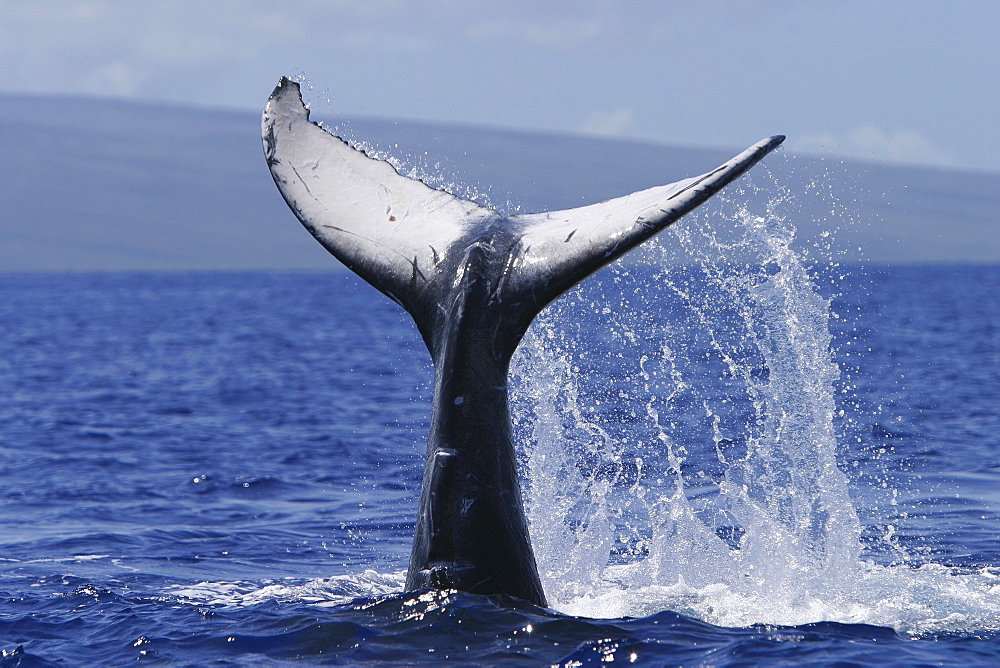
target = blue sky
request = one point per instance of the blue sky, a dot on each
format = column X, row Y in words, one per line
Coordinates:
column 899, row 81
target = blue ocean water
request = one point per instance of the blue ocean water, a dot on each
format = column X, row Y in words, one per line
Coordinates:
column 724, row 463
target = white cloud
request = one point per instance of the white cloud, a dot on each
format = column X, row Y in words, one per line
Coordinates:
column 870, row 142
column 608, row 123
column 117, row 78
column 557, row 34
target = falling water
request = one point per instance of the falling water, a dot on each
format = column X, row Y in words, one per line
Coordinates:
column 678, row 420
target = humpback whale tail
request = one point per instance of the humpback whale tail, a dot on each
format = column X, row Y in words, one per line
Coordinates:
column 472, row 280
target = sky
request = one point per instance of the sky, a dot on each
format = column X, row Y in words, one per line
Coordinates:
column 904, row 81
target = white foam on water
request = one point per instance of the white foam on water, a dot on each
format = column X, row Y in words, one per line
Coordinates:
column 322, row 592
column 913, row 601
column 76, row 558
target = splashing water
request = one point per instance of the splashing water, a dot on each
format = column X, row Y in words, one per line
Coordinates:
column 678, row 422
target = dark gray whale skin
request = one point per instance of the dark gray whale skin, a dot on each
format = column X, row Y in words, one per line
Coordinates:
column 471, row 531
column 472, row 280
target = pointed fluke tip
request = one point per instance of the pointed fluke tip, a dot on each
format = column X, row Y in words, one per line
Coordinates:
column 285, row 101
column 285, row 84
column 286, row 89
column 763, row 147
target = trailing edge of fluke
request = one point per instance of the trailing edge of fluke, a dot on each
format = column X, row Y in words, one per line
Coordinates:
column 472, row 280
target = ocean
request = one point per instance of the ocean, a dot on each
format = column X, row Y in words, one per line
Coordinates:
column 732, row 452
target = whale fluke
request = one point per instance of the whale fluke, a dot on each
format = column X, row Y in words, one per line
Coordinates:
column 472, row 280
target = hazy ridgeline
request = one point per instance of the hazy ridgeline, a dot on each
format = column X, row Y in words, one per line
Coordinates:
column 93, row 184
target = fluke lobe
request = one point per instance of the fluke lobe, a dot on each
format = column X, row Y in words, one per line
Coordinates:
column 473, row 280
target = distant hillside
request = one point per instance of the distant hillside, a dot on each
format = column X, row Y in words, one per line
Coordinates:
column 89, row 184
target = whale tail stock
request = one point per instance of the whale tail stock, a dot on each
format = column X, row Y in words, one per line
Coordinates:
column 472, row 280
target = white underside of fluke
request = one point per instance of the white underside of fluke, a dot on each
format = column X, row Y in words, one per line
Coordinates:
column 395, row 230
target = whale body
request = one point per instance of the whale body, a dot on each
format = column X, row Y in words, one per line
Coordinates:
column 473, row 280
